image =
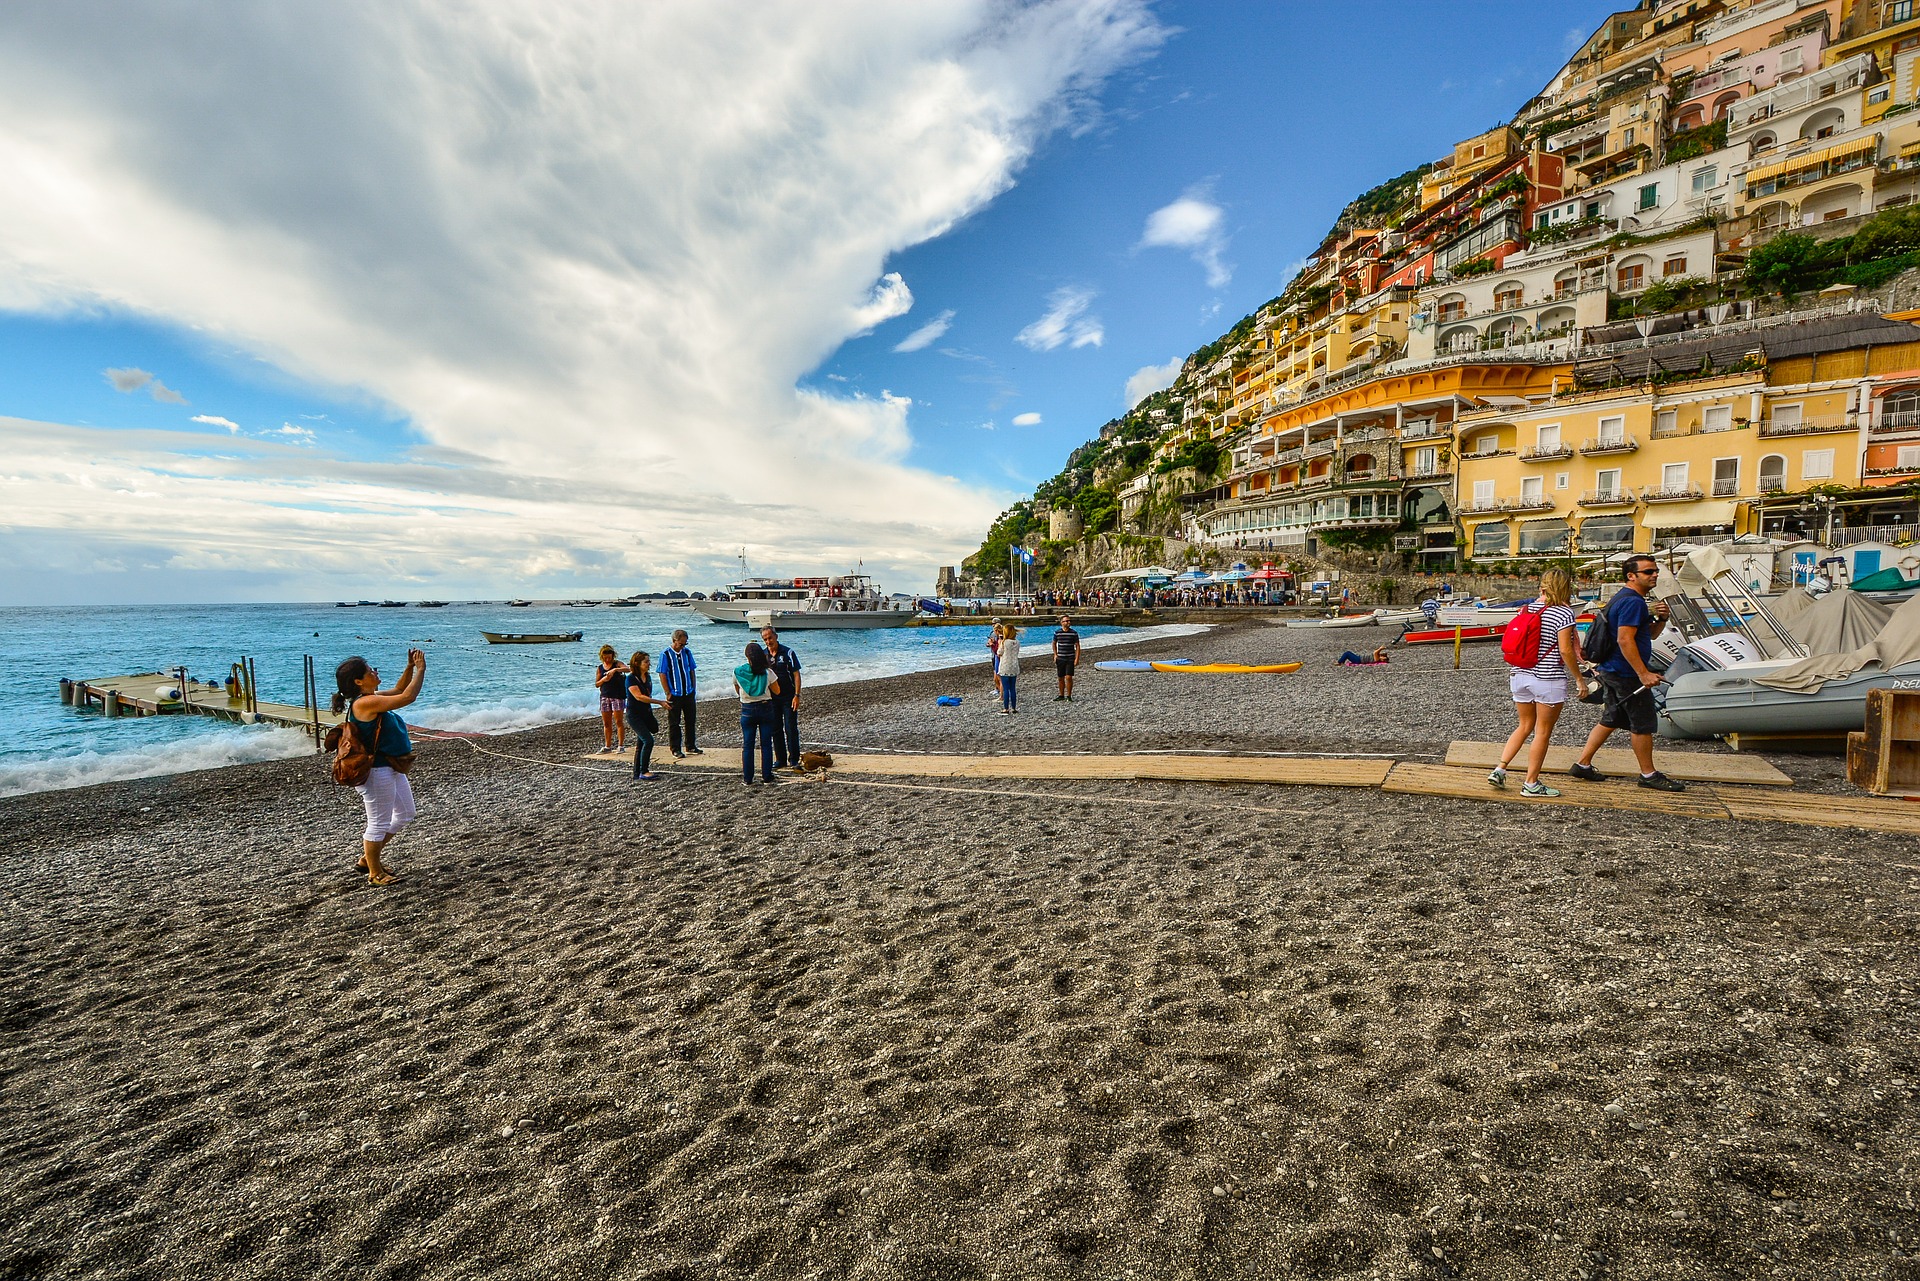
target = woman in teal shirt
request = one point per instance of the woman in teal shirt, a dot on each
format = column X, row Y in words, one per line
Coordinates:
column 372, row 715
column 756, row 684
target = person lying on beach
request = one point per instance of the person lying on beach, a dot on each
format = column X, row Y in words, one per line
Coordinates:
column 1351, row 659
column 372, row 715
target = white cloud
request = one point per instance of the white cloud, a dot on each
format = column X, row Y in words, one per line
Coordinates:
column 1026, row 420
column 300, row 434
column 215, row 420
column 530, row 231
column 1192, row 223
column 927, row 334
column 1066, row 321
column 130, row 380
column 1151, row 378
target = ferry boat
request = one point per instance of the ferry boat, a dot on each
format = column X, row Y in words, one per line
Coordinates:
column 845, row 601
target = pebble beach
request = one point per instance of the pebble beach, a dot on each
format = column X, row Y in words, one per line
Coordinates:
column 980, row 1030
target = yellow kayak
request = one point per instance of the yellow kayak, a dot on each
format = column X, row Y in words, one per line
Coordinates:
column 1233, row 669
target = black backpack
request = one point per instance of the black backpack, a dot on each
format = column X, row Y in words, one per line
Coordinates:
column 1602, row 640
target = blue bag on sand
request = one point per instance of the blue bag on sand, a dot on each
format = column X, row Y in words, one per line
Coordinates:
column 948, row 700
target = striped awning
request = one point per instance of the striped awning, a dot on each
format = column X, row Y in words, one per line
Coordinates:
column 1814, row 159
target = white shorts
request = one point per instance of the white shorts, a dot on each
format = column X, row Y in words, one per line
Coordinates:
column 1531, row 687
column 388, row 797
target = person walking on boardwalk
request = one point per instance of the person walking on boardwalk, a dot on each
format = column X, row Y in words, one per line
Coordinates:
column 1626, row 678
column 640, row 705
column 1066, row 653
column 755, row 683
column 1539, row 692
column 1006, row 666
column 786, row 702
column 373, row 717
column 610, row 679
column 678, row 679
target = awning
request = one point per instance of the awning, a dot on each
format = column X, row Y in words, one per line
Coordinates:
column 1712, row 511
column 1824, row 156
column 1481, row 518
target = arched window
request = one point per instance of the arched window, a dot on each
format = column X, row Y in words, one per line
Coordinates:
column 1360, row 465
column 1824, row 124
column 1773, row 474
column 1465, row 338
column 1761, row 142
column 1508, row 296
column 1452, row 307
column 1566, row 283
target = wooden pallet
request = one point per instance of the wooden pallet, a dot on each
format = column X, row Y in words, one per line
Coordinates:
column 1799, row 744
column 1884, row 758
column 1825, row 811
column 1618, row 762
column 1471, row 785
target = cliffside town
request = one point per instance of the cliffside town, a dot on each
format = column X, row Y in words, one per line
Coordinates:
column 1663, row 303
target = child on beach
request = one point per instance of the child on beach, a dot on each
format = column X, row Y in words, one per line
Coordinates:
column 640, row 705
column 610, row 678
column 372, row 715
column 1540, row 691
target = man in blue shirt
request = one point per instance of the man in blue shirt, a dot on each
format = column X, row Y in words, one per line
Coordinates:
column 786, row 703
column 677, row 678
column 1066, row 653
column 1626, row 678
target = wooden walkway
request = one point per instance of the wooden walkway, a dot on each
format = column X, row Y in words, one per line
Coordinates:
column 1618, row 762
column 136, row 695
column 1739, row 790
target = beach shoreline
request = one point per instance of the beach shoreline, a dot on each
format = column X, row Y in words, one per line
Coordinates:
column 893, row 1029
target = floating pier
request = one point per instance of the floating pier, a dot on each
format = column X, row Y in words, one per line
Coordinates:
column 175, row 694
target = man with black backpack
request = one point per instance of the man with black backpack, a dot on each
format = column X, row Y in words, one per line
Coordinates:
column 1620, row 643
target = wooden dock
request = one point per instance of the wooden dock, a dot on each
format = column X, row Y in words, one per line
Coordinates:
column 139, row 695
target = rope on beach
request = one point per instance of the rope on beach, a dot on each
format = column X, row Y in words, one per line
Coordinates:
column 1056, row 796
column 883, row 750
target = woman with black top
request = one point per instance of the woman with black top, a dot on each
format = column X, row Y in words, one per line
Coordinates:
column 610, row 680
column 372, row 716
column 640, row 705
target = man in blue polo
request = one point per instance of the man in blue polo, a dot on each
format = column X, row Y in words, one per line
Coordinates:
column 786, row 703
column 1627, row 679
column 677, row 678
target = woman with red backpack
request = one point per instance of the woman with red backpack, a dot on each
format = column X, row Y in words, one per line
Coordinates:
column 1543, row 646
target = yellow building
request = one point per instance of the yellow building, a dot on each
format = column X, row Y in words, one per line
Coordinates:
column 1474, row 156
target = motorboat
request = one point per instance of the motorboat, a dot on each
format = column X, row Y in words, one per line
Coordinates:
column 519, row 604
column 430, row 604
column 841, row 602
column 531, row 638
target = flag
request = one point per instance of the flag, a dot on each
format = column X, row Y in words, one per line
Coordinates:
column 1026, row 557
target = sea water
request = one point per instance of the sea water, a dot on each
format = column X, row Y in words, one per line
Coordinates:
column 471, row 686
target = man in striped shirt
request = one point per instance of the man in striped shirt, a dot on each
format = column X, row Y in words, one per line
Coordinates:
column 677, row 678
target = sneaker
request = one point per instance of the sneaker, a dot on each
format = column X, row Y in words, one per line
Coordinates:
column 695, row 751
column 1659, row 782
column 1498, row 778
column 1059, row 698
column 679, row 756
column 1586, row 773
column 1538, row 789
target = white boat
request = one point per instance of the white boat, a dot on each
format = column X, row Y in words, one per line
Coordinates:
column 842, row 602
column 1476, row 615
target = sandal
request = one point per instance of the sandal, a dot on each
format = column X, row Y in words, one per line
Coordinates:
column 387, row 879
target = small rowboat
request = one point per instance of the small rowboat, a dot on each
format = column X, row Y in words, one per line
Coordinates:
column 1445, row 635
column 1228, row 669
column 531, row 638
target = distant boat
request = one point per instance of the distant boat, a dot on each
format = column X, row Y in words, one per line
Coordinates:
column 531, row 638
column 582, row 604
column 369, row 602
column 519, row 604
column 343, row 604
column 622, row 604
column 392, row 604
column 429, row 604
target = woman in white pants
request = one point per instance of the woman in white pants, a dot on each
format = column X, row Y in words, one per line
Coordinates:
column 372, row 715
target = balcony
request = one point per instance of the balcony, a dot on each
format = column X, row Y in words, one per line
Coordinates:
column 1804, row 426
column 1899, row 422
column 1491, row 453
column 1725, row 487
column 1773, row 484
column 1439, row 471
column 1911, row 469
column 1672, row 493
column 1607, row 498
column 1521, row 504
column 1609, row 445
column 1546, row 453
column 1428, row 431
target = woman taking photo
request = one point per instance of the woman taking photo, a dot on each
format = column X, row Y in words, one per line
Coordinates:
column 754, row 681
column 640, row 705
column 371, row 716
column 1540, row 691
column 610, row 679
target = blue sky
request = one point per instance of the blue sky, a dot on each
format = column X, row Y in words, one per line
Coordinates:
column 467, row 315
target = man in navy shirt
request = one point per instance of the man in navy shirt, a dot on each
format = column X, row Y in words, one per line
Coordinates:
column 1066, row 652
column 786, row 703
column 677, row 678
column 1627, row 680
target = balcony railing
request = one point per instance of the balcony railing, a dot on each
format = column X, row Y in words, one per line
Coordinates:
column 1908, row 469
column 1439, row 471
column 1607, row 498
column 1804, row 426
column 1671, row 493
column 1427, row 431
column 1546, row 453
column 1490, row 453
column 1773, row 484
column 1611, row 445
column 1521, row 504
column 1898, row 421
column 1725, row 488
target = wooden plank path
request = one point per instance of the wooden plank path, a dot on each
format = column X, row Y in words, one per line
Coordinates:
column 1725, row 802
column 1618, row 762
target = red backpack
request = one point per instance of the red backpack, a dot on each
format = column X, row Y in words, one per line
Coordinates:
column 1520, row 639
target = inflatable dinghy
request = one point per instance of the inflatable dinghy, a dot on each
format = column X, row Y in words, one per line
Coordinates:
column 1138, row 664
column 1227, row 669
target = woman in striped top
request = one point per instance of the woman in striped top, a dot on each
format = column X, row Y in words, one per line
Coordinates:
column 1540, row 691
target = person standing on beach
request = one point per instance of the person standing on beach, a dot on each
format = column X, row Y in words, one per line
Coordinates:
column 677, row 677
column 1626, row 678
column 1539, row 692
column 610, row 679
column 993, row 657
column 754, row 682
column 372, row 716
column 1066, row 653
column 786, row 702
column 1006, row 666
column 640, row 705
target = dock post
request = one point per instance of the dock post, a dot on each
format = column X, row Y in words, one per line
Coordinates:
column 110, row 703
column 253, row 688
column 66, row 692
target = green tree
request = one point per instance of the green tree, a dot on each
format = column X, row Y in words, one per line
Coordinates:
column 1777, row 266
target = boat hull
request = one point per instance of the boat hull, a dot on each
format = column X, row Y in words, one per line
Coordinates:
column 531, row 638
column 1447, row 635
column 789, row 620
column 1712, row 704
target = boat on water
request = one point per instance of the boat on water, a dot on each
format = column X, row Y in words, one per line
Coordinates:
column 622, row 604
column 531, row 638
column 391, row 604
column 430, row 604
column 842, row 602
column 519, row 604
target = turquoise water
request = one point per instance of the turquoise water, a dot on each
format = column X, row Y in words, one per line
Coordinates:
column 471, row 686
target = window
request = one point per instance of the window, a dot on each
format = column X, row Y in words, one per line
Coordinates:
column 1613, row 430
column 1716, row 418
column 1673, row 476
column 1565, row 284
column 1605, row 534
column 1483, row 493
column 1666, row 422
column 1593, row 209
column 1491, row 539
column 1773, row 474
column 1606, row 482
column 1626, row 138
column 1879, row 93
column 1479, row 151
column 1632, row 277
column 1707, row 178
column 1650, row 195
column 1426, row 460
column 1532, row 489
column 1507, row 297
column 1675, row 266
column 1900, row 11
column 1787, row 415
column 1791, row 58
column 1543, row 537
column 1541, row 220
column 1726, row 477
column 1816, row 464
column 1486, row 444
column 1559, row 480
column 1549, row 438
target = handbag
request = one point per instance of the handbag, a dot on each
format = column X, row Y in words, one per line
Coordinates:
column 352, row 759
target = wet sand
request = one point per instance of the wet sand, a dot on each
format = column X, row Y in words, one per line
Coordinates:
column 882, row 1029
